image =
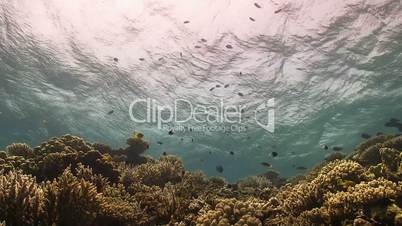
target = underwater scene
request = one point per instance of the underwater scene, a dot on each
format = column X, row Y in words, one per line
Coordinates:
column 200, row 112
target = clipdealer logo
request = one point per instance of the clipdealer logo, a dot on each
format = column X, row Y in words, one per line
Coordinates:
column 184, row 111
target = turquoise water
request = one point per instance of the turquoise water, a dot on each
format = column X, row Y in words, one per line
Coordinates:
column 333, row 68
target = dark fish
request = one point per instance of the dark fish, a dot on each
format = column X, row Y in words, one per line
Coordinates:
column 181, row 54
column 336, row 148
column 192, row 140
column 394, row 120
column 203, row 40
column 160, row 59
column 266, row 164
column 141, row 59
column 171, row 132
column 240, row 73
column 365, row 135
column 325, row 147
column 240, row 94
column 274, row 154
column 229, row 46
column 219, row 168
column 226, row 86
column 197, row 47
column 252, row 19
column 232, row 153
column 218, row 86
column 278, row 11
column 186, row 22
column 210, row 152
column 257, row 5
column 191, row 130
column 159, row 142
column 164, row 153
column 110, row 112
column 301, row 168
column 116, row 59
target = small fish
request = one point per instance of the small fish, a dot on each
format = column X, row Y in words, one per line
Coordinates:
column 232, row 153
column 266, row 164
column 336, row 148
column 138, row 135
column 191, row 130
column 210, row 152
column 181, row 54
column 257, row 5
column 160, row 59
column 219, row 168
column 186, row 22
column 164, row 153
column 218, row 86
column 110, row 112
column 160, row 142
column 394, row 120
column 278, row 11
column 197, row 47
column 274, row 154
column 229, row 46
column 252, row 19
column 301, row 168
column 365, row 135
column 203, row 40
column 141, row 59
column 212, row 89
column 240, row 94
column 192, row 140
column 324, row 146
column 171, row 132
column 240, row 73
column 116, row 59
column 226, row 86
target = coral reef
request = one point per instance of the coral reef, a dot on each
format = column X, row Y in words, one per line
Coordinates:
column 68, row 181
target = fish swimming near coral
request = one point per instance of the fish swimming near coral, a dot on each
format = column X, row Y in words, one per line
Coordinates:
column 365, row 135
column 337, row 148
column 219, row 168
column 266, row 164
column 345, row 184
column 171, row 132
column 164, row 153
column 301, row 168
column 137, row 135
column 324, row 146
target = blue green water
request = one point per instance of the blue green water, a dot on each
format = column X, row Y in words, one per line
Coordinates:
column 333, row 68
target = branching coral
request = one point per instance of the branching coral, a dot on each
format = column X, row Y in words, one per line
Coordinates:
column 19, row 149
column 21, row 199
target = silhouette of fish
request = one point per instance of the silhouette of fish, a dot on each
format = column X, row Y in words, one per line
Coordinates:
column 336, row 148
column 160, row 142
column 325, row 146
column 164, row 153
column 365, row 135
column 232, row 153
column 116, row 59
column 226, row 86
column 171, row 132
column 301, row 168
column 186, row 22
column 229, row 46
column 266, row 164
column 218, row 86
column 240, row 94
column 212, row 89
column 141, row 59
column 219, row 168
column 274, row 154
column 278, row 11
column 197, row 47
column 252, row 19
column 203, row 40
column 257, row 5
column 110, row 112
